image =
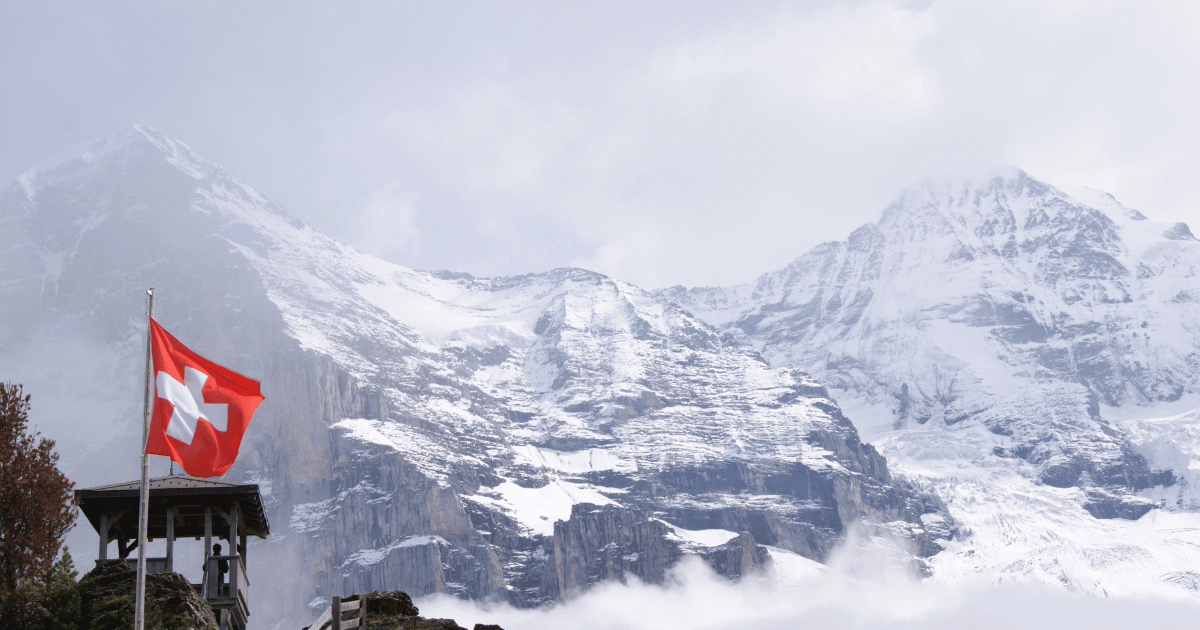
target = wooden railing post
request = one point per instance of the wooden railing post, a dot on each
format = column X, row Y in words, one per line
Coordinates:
column 170, row 539
column 207, row 549
column 337, row 608
column 233, row 522
column 104, row 536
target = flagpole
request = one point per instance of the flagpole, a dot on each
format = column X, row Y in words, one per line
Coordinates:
column 139, row 610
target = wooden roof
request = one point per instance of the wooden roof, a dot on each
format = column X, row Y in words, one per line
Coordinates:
column 188, row 495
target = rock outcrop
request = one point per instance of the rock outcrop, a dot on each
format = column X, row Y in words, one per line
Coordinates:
column 171, row 604
column 600, row 543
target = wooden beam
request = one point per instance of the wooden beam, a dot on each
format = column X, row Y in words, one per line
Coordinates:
column 225, row 515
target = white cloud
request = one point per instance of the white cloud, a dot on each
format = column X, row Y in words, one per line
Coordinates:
column 696, row 599
column 498, row 140
column 387, row 221
column 854, row 62
column 733, row 137
column 626, row 256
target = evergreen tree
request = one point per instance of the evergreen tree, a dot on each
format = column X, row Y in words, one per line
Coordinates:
column 36, row 510
column 54, row 598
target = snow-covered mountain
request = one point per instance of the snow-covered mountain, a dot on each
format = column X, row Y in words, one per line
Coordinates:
column 1004, row 342
column 1025, row 357
column 510, row 438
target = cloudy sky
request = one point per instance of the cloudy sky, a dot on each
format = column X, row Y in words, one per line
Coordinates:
column 664, row 143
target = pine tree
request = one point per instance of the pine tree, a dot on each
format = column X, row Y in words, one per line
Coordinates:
column 54, row 598
column 36, row 509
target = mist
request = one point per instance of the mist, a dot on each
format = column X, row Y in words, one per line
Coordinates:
column 695, row 598
column 663, row 143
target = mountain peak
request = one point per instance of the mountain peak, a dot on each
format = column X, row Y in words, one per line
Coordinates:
column 1009, row 181
column 131, row 144
column 140, row 158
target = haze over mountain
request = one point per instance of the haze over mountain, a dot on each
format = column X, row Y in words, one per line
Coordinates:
column 523, row 438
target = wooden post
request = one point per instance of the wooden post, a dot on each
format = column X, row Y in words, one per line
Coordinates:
column 336, row 609
column 233, row 552
column 104, row 537
column 242, row 548
column 233, row 520
column 362, row 610
column 170, row 539
column 207, row 548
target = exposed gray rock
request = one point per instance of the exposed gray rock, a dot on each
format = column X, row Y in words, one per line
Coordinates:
column 739, row 557
column 1179, row 232
column 600, row 543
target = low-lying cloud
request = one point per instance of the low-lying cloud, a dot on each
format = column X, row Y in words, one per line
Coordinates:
column 695, row 598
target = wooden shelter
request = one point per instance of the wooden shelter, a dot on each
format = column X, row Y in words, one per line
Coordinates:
column 185, row 507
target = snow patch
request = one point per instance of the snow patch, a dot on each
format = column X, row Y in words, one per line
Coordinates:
column 582, row 461
column 704, row 537
column 307, row 517
column 1171, row 443
column 793, row 569
column 371, row 557
column 539, row 508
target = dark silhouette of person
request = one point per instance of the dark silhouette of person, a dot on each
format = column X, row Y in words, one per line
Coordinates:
column 222, row 567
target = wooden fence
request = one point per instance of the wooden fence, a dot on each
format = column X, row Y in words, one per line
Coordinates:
column 359, row 606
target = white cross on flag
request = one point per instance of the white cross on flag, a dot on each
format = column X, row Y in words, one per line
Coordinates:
column 200, row 408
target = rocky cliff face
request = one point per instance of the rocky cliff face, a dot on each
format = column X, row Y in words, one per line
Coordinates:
column 430, row 432
column 607, row 542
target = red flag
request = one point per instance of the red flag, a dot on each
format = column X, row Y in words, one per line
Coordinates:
column 200, row 408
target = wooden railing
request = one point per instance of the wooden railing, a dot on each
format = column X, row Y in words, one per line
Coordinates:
column 228, row 598
column 236, row 588
column 359, row 605
column 238, row 576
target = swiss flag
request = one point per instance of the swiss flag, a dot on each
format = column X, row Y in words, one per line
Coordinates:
column 200, row 408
